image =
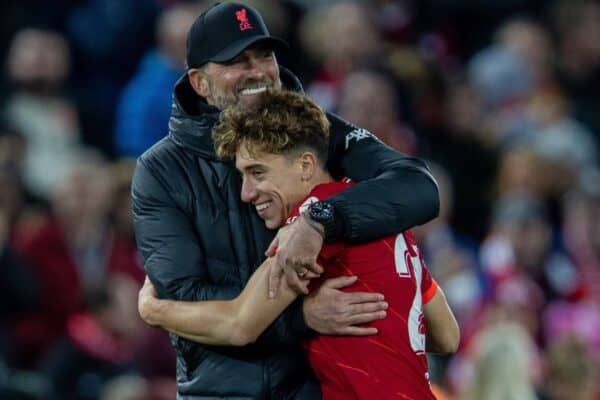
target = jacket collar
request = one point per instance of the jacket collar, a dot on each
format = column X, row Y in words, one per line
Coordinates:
column 192, row 118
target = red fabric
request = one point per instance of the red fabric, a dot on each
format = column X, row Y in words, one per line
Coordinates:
column 89, row 337
column 391, row 364
column 60, row 284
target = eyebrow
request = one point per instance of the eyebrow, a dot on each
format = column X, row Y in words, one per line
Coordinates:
column 250, row 166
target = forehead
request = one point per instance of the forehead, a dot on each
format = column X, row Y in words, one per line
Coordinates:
column 245, row 159
column 252, row 51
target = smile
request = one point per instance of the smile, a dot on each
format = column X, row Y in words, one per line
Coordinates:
column 251, row 91
column 263, row 206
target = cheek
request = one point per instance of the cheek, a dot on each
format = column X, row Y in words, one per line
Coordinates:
column 273, row 72
column 223, row 83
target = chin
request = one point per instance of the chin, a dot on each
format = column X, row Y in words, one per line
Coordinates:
column 250, row 100
column 271, row 224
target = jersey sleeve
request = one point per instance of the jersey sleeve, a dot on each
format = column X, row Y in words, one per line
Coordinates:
column 429, row 286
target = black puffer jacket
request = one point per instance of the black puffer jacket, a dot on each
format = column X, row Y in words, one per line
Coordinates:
column 200, row 242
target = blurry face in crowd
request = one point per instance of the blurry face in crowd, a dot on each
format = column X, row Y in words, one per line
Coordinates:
column 84, row 195
column 39, row 60
column 369, row 101
column 238, row 81
column 531, row 241
column 274, row 183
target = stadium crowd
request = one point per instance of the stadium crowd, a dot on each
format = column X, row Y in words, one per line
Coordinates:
column 502, row 98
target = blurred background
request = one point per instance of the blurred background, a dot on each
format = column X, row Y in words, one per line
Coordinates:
column 502, row 97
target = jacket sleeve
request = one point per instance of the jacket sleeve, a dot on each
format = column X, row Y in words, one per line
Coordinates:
column 394, row 192
column 176, row 264
column 167, row 242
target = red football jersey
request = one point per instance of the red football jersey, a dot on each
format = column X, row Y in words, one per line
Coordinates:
column 391, row 364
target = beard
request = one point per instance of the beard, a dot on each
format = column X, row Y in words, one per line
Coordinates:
column 222, row 100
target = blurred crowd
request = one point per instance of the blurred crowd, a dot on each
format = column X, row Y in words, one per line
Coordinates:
column 502, row 98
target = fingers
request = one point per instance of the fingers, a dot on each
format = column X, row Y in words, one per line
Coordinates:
column 314, row 267
column 362, row 297
column 301, row 266
column 361, row 308
column 294, row 282
column 360, row 319
column 272, row 250
column 357, row 331
column 310, row 275
column 340, row 282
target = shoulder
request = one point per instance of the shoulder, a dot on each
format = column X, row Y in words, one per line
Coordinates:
column 339, row 126
column 343, row 133
column 162, row 168
column 319, row 193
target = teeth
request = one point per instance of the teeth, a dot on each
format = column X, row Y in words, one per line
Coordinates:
column 263, row 206
column 250, row 91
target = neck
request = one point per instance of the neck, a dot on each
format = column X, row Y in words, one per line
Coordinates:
column 320, row 177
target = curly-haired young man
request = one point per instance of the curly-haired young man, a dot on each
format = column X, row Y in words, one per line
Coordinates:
column 280, row 149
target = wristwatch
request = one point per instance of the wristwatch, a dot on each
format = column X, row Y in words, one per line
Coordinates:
column 323, row 213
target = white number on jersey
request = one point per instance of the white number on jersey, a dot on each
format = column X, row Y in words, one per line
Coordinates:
column 410, row 267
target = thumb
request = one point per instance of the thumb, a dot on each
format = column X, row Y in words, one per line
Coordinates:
column 340, row 282
column 272, row 250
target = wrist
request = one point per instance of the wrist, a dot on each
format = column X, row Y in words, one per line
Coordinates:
column 324, row 214
column 305, row 313
column 150, row 311
column 317, row 227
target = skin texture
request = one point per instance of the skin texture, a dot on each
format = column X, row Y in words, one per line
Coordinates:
column 274, row 193
column 223, row 85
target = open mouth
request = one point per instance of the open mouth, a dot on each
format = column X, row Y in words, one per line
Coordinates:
column 252, row 91
column 260, row 208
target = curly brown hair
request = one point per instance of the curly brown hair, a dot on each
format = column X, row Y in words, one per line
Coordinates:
column 282, row 122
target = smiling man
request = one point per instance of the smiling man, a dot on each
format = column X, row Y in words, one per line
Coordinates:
column 283, row 173
column 199, row 241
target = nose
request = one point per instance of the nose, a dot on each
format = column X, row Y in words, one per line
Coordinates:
column 249, row 192
column 255, row 68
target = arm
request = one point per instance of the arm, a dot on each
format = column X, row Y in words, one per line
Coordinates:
column 394, row 192
column 175, row 261
column 443, row 334
column 235, row 322
column 167, row 242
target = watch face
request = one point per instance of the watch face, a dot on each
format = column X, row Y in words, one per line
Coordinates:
column 320, row 211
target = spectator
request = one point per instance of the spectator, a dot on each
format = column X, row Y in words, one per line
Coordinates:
column 145, row 103
column 73, row 249
column 341, row 38
column 522, row 224
column 100, row 342
column 368, row 99
column 576, row 24
column 502, row 365
column 581, row 224
column 572, row 374
column 38, row 66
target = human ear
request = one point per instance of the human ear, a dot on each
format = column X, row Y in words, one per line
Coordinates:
column 199, row 82
column 308, row 163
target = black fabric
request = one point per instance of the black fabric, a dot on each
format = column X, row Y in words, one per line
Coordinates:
column 199, row 241
column 225, row 30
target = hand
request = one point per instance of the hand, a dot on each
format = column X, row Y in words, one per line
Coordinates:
column 147, row 299
column 295, row 249
column 330, row 311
